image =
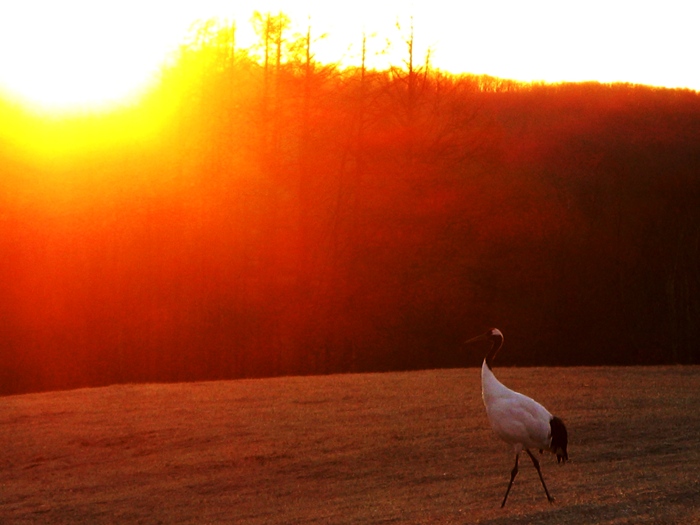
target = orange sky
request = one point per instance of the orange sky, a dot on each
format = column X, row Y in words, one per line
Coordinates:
column 68, row 53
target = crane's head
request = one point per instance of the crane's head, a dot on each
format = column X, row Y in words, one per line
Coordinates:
column 560, row 439
column 494, row 333
column 496, row 337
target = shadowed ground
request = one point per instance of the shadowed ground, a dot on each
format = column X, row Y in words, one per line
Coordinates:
column 375, row 448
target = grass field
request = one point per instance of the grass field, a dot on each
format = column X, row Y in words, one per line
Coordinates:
column 370, row 448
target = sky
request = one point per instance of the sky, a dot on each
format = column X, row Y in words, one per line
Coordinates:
column 83, row 52
column 641, row 42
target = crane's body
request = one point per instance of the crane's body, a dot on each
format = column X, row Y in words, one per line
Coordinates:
column 517, row 419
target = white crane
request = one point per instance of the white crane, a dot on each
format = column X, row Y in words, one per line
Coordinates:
column 518, row 420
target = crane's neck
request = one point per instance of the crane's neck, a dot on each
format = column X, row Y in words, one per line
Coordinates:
column 496, row 344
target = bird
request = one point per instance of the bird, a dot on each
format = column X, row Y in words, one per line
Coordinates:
column 517, row 419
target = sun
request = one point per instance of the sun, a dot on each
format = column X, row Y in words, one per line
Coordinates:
column 68, row 55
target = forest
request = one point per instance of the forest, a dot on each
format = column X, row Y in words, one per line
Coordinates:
column 291, row 218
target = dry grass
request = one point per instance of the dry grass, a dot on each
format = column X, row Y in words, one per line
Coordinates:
column 375, row 448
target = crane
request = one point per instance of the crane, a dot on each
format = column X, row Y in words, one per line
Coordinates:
column 517, row 419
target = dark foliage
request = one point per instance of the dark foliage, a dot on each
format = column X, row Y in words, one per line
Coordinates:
column 294, row 218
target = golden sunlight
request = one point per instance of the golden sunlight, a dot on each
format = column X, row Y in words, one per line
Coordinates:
column 76, row 55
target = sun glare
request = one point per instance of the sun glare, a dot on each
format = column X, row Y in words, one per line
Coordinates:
column 68, row 56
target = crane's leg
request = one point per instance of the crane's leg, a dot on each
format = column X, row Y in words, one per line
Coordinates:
column 537, row 466
column 513, row 473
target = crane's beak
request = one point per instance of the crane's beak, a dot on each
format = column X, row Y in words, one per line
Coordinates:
column 482, row 337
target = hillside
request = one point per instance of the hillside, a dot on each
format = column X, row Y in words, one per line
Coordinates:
column 365, row 448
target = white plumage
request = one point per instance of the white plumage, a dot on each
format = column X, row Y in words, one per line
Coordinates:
column 517, row 419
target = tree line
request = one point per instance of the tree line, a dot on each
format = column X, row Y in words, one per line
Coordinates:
column 295, row 217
